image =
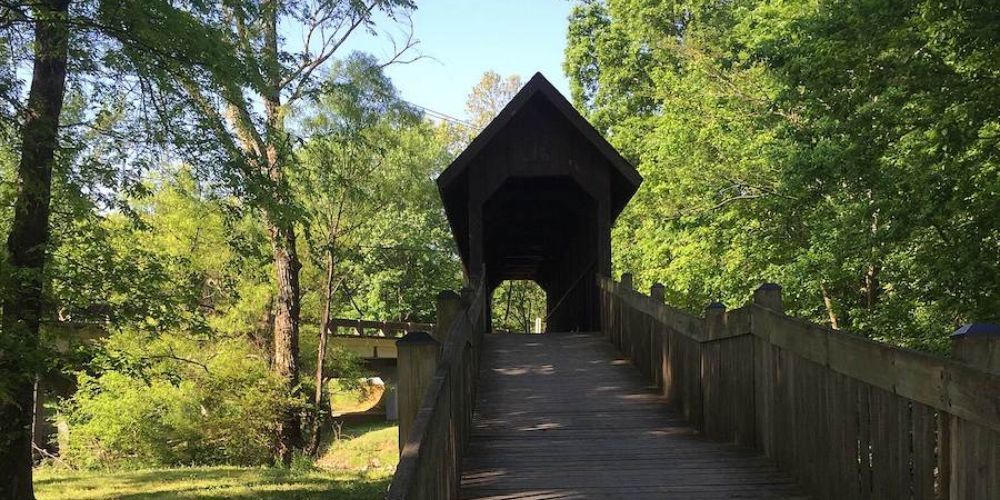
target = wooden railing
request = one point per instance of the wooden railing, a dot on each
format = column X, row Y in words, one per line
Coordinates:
column 845, row 416
column 431, row 457
column 382, row 328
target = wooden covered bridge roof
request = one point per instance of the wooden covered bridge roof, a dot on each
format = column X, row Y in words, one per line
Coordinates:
column 537, row 107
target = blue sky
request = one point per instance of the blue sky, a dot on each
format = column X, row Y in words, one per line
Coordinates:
column 464, row 38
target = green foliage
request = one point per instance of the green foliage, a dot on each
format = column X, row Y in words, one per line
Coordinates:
column 180, row 281
column 516, row 305
column 373, row 215
column 192, row 403
column 844, row 151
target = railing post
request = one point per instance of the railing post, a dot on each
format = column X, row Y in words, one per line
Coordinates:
column 626, row 281
column 715, row 320
column 657, row 292
column 448, row 305
column 417, row 359
column 977, row 344
column 768, row 296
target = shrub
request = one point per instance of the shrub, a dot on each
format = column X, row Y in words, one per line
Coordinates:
column 220, row 408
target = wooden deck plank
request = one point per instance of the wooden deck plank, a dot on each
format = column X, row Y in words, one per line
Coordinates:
column 562, row 416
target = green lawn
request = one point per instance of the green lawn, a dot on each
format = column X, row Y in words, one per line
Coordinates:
column 358, row 467
column 372, row 448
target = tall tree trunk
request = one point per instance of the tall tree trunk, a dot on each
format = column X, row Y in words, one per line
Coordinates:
column 286, row 334
column 828, row 302
column 281, row 228
column 873, row 286
column 506, row 314
column 324, row 328
column 26, row 246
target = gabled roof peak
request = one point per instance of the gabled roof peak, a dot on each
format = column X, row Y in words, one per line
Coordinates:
column 539, row 85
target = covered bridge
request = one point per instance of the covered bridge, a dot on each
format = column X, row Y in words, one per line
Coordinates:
column 534, row 197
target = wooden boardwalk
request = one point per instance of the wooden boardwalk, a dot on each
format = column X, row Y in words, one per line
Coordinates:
column 563, row 416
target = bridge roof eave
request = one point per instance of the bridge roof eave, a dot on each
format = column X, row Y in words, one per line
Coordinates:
column 626, row 175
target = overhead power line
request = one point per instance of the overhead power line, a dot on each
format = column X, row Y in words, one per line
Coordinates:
column 440, row 115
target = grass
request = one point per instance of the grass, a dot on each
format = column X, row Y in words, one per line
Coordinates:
column 371, row 448
column 358, row 467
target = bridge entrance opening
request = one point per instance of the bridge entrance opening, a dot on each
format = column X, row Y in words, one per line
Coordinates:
column 519, row 306
column 534, row 197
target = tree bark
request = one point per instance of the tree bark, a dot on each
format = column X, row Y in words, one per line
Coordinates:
column 286, row 334
column 26, row 246
column 281, row 228
column 828, row 302
column 873, row 286
column 506, row 314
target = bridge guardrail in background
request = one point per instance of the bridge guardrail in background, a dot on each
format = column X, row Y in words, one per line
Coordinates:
column 359, row 326
column 847, row 417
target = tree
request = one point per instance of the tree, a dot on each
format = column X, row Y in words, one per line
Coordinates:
column 81, row 42
column 489, row 96
column 260, row 146
column 27, row 243
column 356, row 124
column 826, row 148
column 374, row 229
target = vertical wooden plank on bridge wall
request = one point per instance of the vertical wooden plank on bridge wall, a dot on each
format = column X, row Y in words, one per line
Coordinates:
column 904, row 446
column 605, row 309
column 853, row 447
column 624, row 313
column 650, row 356
column 924, row 455
column 785, row 410
column 847, row 417
column 832, row 420
column 763, row 393
column 767, row 383
column 616, row 315
column 657, row 295
column 865, row 439
column 887, row 462
column 801, row 414
column 808, row 419
column 711, row 375
column 664, row 367
column 942, row 483
column 696, row 399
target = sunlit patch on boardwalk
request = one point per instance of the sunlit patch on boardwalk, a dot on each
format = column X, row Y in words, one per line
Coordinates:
column 588, row 426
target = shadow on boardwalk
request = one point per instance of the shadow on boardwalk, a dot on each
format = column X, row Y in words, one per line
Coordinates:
column 562, row 415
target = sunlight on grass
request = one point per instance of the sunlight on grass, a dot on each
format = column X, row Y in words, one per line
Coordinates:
column 370, row 448
column 357, row 467
column 207, row 482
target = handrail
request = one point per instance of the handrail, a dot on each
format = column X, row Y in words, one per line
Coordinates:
column 846, row 416
column 430, row 461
